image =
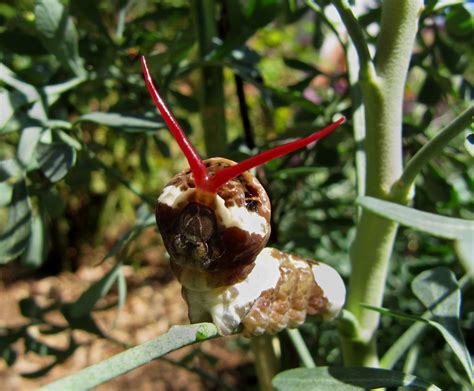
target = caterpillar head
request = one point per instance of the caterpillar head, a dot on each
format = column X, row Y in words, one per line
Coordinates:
column 215, row 217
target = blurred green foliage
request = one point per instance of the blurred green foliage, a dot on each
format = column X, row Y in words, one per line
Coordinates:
column 83, row 148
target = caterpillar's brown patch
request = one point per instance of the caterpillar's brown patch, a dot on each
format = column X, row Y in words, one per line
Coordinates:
column 295, row 295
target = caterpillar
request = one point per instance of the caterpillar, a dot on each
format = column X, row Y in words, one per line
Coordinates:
column 214, row 219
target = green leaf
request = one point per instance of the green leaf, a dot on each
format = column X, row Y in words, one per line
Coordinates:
column 8, row 104
column 14, row 236
column 99, row 289
column 439, row 292
column 6, row 190
column 28, row 92
column 128, row 123
column 11, row 101
column 122, row 292
column 342, row 379
column 29, row 139
column 54, row 91
column 441, row 226
column 55, row 160
column 176, row 338
column 145, row 218
column 58, row 34
column 35, row 252
column 10, row 168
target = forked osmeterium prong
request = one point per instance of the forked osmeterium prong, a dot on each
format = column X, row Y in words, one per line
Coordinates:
column 225, row 175
column 195, row 162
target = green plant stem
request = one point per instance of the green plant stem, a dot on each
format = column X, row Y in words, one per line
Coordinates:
column 411, row 360
column 175, row 338
column 212, row 88
column 382, row 89
column 266, row 361
column 301, row 348
column 357, row 35
column 430, row 150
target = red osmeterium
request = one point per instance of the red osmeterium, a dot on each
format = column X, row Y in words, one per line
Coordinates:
column 225, row 175
column 198, row 168
column 195, row 162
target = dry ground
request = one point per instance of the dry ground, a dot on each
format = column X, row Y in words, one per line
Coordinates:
column 153, row 304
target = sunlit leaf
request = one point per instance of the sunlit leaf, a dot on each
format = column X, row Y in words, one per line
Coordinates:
column 29, row 139
column 345, row 379
column 129, row 123
column 35, row 251
column 177, row 337
column 58, row 34
column 55, row 160
column 29, row 93
column 441, row 226
column 10, row 168
column 14, row 237
column 439, row 292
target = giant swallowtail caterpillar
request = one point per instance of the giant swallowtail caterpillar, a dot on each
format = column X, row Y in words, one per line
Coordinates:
column 215, row 222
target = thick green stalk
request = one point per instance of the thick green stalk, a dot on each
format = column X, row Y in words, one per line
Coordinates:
column 212, row 88
column 382, row 95
column 266, row 361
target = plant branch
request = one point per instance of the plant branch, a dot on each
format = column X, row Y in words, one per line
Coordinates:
column 212, row 90
column 175, row 338
column 301, row 348
column 382, row 96
column 430, row 150
column 266, row 360
column 357, row 35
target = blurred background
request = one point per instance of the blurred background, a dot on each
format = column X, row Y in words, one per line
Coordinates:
column 84, row 154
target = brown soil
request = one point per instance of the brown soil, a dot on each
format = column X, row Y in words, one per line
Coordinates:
column 153, row 305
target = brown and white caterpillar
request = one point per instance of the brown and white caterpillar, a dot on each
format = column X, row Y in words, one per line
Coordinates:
column 215, row 222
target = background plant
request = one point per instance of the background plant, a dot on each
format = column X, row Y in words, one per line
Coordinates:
column 80, row 149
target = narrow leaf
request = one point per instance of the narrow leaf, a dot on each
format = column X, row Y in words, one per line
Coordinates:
column 9, row 168
column 14, row 237
column 58, row 34
column 127, row 122
column 99, row 289
column 441, row 226
column 175, row 338
column 29, row 139
column 28, row 92
column 55, row 160
column 145, row 218
column 54, row 91
column 35, row 252
column 439, row 292
column 345, row 379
